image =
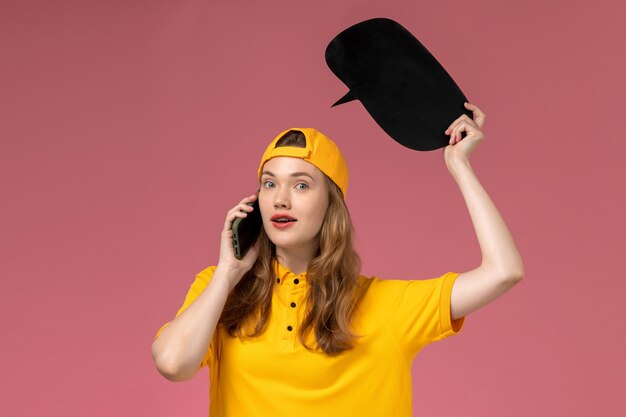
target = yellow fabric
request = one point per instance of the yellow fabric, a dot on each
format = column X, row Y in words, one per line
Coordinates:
column 320, row 151
column 274, row 375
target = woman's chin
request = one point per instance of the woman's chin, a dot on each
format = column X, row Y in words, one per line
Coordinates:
column 284, row 243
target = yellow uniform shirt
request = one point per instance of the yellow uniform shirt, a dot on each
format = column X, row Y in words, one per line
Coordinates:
column 274, row 375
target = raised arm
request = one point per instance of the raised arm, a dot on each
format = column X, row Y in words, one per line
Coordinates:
column 501, row 267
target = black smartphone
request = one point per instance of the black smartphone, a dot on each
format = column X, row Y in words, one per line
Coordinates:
column 246, row 230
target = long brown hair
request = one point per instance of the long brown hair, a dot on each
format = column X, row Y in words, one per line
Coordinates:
column 332, row 276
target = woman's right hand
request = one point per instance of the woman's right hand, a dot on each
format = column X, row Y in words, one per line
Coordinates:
column 236, row 268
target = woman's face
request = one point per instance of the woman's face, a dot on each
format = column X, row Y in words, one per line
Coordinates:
column 295, row 190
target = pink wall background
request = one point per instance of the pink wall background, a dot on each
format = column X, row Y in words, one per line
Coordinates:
column 128, row 129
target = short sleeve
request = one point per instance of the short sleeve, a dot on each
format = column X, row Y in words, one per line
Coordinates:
column 199, row 284
column 419, row 310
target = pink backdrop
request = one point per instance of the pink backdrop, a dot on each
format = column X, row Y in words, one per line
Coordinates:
column 129, row 128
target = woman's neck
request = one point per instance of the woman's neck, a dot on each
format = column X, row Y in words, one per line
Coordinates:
column 295, row 260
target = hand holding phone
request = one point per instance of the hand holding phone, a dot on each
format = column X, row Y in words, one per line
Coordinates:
column 246, row 230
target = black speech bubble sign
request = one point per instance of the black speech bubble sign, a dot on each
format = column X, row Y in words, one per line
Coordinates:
column 398, row 81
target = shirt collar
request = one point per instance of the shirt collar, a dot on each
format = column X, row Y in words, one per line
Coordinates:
column 284, row 274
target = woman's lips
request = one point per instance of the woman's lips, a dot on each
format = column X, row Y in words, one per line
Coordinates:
column 282, row 225
column 278, row 216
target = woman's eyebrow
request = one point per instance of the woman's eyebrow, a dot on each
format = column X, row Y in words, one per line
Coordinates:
column 293, row 174
column 302, row 174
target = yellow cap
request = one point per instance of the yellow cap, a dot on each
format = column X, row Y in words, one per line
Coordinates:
column 320, row 151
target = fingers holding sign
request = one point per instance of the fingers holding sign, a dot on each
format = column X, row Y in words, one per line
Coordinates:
column 459, row 146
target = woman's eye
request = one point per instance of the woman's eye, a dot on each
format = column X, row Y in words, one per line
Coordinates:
column 304, row 186
column 268, row 184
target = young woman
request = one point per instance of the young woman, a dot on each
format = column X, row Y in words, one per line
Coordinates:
column 293, row 329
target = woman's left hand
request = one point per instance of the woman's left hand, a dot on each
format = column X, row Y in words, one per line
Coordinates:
column 460, row 148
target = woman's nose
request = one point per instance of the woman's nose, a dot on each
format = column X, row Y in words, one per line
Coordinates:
column 281, row 201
